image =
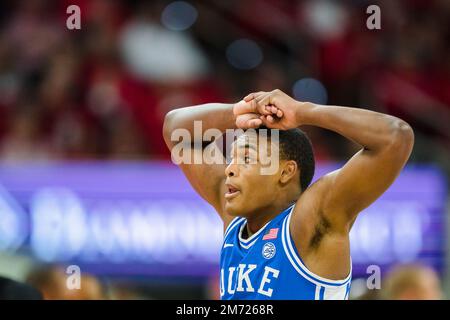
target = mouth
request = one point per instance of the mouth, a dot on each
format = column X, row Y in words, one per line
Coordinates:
column 232, row 191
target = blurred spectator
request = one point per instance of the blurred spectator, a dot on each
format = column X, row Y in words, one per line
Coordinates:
column 51, row 281
column 411, row 282
column 212, row 287
column 32, row 34
column 23, row 140
column 13, row 290
column 126, row 291
column 154, row 53
column 102, row 92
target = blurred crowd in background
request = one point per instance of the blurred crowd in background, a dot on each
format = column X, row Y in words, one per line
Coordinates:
column 102, row 92
column 403, row 282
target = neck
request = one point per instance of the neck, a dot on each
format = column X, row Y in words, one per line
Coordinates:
column 284, row 198
column 265, row 215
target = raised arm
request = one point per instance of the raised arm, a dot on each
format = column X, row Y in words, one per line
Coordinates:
column 386, row 143
column 205, row 177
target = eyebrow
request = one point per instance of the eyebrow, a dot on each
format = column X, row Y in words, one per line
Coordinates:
column 249, row 146
column 245, row 146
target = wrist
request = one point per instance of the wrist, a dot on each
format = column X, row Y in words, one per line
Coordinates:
column 233, row 114
column 304, row 112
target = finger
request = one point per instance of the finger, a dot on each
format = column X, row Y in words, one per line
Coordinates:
column 268, row 123
column 262, row 104
column 279, row 113
column 255, row 123
column 260, row 108
column 251, row 106
column 252, row 96
column 265, row 99
column 243, row 107
column 261, row 97
column 264, row 121
column 249, row 97
column 273, row 109
column 244, row 120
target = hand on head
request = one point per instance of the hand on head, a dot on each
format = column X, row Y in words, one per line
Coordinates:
column 274, row 109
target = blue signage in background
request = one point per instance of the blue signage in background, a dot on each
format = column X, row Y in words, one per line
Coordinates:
column 127, row 218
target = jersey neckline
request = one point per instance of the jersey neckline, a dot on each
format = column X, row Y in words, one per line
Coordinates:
column 250, row 241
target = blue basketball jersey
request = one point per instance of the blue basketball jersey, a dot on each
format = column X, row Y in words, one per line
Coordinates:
column 268, row 266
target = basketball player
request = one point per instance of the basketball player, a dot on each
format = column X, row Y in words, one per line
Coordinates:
column 285, row 238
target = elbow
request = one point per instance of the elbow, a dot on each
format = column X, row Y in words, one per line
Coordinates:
column 402, row 137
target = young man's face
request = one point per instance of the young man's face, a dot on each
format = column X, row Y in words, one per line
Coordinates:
column 249, row 187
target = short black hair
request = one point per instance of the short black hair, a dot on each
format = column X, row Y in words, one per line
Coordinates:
column 295, row 145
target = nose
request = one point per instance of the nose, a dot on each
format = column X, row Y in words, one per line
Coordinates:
column 231, row 170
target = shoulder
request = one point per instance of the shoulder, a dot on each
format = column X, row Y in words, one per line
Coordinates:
column 309, row 204
column 312, row 203
column 309, row 221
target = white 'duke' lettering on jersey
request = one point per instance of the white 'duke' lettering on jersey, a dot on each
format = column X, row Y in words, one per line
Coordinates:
column 243, row 277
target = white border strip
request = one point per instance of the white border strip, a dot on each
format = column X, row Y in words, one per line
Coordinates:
column 232, row 224
column 253, row 236
column 298, row 260
column 307, row 273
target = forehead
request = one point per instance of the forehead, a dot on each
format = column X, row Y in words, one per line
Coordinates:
column 246, row 140
column 252, row 140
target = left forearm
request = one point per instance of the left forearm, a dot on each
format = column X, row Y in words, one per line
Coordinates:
column 373, row 130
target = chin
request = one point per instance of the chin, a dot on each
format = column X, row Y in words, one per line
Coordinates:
column 234, row 209
column 231, row 210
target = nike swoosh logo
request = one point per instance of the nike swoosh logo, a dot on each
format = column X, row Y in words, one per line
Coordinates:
column 228, row 245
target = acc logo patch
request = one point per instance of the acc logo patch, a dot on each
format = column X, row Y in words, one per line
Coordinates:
column 269, row 250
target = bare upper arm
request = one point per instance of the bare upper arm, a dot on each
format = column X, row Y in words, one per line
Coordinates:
column 207, row 179
column 342, row 194
column 325, row 212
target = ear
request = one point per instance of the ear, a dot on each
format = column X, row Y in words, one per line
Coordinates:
column 288, row 171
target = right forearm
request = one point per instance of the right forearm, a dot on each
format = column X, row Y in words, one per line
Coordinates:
column 212, row 115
